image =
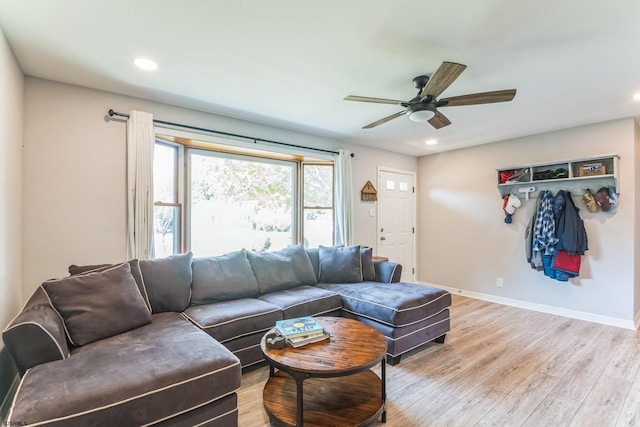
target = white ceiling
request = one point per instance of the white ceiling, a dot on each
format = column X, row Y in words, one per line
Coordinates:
column 289, row 63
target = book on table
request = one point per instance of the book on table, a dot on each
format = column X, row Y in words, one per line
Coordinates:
column 298, row 327
column 308, row 339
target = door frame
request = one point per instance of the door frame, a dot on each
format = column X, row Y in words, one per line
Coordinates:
column 414, row 213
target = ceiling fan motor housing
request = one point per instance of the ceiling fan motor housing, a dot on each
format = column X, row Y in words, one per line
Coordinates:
column 420, row 81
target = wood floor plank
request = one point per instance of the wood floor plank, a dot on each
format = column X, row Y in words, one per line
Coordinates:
column 578, row 381
column 503, row 366
column 469, row 410
column 630, row 413
column 555, row 410
column 626, row 361
column 521, row 402
column 604, row 403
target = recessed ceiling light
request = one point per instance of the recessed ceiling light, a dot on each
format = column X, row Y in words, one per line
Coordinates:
column 431, row 142
column 145, row 64
column 637, row 96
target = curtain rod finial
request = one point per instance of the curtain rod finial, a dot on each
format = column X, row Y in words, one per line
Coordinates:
column 112, row 113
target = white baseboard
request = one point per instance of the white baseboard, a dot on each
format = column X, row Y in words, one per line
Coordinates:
column 574, row 314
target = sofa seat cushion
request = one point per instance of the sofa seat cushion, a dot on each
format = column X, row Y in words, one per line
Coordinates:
column 142, row 376
column 228, row 320
column 398, row 304
column 304, row 301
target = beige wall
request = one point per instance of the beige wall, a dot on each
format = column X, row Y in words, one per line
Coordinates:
column 465, row 244
column 636, row 300
column 11, row 116
column 74, row 190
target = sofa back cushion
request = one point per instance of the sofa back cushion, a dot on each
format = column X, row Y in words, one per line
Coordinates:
column 280, row 270
column 168, row 282
column 314, row 256
column 340, row 264
column 368, row 270
column 98, row 305
column 222, row 278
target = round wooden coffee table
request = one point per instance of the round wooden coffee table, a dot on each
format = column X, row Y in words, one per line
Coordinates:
column 339, row 387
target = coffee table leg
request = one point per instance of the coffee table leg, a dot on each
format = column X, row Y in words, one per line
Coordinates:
column 383, row 371
column 299, row 379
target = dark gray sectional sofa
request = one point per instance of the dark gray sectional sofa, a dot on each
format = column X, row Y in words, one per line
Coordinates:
column 164, row 341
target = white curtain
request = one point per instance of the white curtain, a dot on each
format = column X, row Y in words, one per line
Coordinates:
column 140, row 143
column 344, row 199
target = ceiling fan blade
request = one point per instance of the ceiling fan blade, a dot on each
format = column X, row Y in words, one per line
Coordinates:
column 480, row 98
column 439, row 120
column 375, row 100
column 442, row 79
column 381, row 121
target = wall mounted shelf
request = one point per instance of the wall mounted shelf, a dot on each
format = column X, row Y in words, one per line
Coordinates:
column 570, row 175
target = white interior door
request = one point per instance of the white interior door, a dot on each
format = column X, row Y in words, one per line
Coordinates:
column 396, row 223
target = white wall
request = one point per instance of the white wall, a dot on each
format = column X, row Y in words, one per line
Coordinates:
column 74, row 190
column 465, row 244
column 11, row 116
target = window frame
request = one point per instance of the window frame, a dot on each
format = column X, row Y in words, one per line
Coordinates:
column 303, row 207
column 178, row 245
column 237, row 149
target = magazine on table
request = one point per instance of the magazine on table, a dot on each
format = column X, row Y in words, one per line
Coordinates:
column 298, row 327
column 308, row 339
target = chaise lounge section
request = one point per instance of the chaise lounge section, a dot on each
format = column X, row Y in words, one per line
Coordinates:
column 164, row 341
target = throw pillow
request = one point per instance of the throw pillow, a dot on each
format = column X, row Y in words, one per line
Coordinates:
column 98, row 305
column 368, row 270
column 168, row 282
column 222, row 278
column 134, row 264
column 280, row 270
column 340, row 264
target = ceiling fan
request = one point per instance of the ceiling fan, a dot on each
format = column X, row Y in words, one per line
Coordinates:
column 424, row 106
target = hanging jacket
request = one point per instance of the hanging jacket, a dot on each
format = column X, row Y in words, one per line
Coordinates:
column 571, row 234
column 534, row 258
column 544, row 237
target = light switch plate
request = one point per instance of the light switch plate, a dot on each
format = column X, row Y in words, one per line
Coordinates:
column 372, row 212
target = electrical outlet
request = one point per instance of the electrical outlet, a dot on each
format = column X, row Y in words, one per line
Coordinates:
column 499, row 282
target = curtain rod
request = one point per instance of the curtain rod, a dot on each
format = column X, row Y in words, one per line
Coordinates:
column 255, row 140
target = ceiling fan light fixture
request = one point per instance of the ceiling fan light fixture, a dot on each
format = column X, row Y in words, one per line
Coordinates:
column 420, row 113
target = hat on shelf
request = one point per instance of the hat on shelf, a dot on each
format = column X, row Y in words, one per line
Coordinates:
column 509, row 205
column 613, row 200
column 589, row 201
column 602, row 197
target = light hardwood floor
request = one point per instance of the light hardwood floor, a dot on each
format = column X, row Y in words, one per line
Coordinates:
column 504, row 366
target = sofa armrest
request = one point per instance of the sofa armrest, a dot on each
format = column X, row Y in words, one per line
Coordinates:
column 387, row 271
column 36, row 335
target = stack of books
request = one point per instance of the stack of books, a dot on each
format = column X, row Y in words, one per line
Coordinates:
column 301, row 331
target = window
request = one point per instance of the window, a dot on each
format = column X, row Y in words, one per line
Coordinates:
column 166, row 206
column 318, row 210
column 257, row 200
